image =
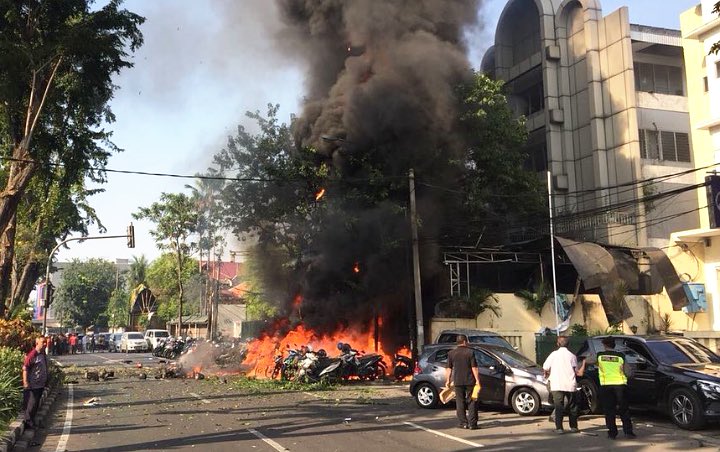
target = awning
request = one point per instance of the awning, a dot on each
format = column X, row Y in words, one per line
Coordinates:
column 661, row 263
column 594, row 264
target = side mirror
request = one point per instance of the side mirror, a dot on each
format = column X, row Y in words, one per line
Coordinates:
column 641, row 362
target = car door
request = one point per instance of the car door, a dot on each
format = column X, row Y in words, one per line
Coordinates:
column 492, row 377
column 642, row 378
column 437, row 363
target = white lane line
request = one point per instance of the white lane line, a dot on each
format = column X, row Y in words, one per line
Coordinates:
column 267, row 440
column 198, row 396
column 62, row 444
column 444, row 435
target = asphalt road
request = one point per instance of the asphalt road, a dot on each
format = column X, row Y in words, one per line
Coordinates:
column 186, row 414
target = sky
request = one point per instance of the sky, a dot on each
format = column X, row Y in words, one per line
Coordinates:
column 203, row 65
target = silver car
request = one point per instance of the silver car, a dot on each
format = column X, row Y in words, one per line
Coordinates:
column 507, row 378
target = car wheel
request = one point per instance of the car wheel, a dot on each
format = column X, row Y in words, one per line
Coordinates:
column 590, row 391
column 686, row 409
column 426, row 396
column 525, row 402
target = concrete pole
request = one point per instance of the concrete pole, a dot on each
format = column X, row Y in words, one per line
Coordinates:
column 420, row 329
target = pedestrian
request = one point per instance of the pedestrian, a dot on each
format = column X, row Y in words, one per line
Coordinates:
column 613, row 384
column 462, row 367
column 92, row 343
column 561, row 368
column 72, row 340
column 34, row 378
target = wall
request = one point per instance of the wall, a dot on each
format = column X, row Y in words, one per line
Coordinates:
column 520, row 325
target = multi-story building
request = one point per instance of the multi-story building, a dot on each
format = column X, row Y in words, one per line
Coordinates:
column 607, row 108
column 699, row 249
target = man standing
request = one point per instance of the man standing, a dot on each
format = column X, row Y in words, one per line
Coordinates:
column 463, row 368
column 613, row 381
column 560, row 369
column 34, row 377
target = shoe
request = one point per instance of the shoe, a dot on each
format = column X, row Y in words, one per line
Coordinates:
column 630, row 435
column 559, row 431
column 473, row 427
column 574, row 430
column 461, row 425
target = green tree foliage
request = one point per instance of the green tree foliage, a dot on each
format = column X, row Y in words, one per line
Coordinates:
column 162, row 280
column 176, row 220
column 535, row 300
column 84, row 292
column 716, row 46
column 116, row 312
column 138, row 272
column 57, row 60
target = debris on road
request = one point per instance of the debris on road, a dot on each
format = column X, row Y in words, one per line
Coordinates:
column 91, row 401
column 142, row 376
column 92, row 375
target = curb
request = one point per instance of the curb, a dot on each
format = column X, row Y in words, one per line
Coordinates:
column 16, row 437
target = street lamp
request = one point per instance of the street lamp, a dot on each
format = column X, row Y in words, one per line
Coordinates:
column 130, row 237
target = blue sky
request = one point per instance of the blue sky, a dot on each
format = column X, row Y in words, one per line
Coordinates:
column 203, row 65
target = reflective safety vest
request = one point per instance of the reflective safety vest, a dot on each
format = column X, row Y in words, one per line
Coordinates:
column 610, row 364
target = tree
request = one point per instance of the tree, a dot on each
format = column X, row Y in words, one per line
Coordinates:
column 161, row 278
column 116, row 311
column 345, row 246
column 138, row 272
column 84, row 291
column 57, row 60
column 176, row 220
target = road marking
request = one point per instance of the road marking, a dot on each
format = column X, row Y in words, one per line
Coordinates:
column 267, row 440
column 62, row 444
column 198, row 396
column 444, row 435
column 114, row 361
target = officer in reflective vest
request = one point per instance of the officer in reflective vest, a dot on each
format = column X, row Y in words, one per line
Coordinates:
column 613, row 383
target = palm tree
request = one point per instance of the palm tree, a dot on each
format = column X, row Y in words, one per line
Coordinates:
column 138, row 271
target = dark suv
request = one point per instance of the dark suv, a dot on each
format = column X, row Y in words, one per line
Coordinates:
column 675, row 375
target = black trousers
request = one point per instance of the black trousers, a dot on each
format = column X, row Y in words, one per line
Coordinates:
column 31, row 403
column 565, row 404
column 463, row 403
column 614, row 402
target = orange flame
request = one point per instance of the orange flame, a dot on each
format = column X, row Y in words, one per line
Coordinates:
column 356, row 267
column 319, row 194
column 297, row 301
column 262, row 351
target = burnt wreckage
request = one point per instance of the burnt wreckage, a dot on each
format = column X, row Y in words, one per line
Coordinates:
column 581, row 268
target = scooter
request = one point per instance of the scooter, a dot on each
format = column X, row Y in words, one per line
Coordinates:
column 403, row 367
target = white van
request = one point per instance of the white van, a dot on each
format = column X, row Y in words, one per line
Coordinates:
column 154, row 336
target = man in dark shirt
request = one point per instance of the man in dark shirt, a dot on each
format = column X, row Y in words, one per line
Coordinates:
column 34, row 377
column 463, row 368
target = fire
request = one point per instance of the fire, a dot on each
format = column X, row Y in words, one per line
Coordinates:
column 356, row 267
column 262, row 351
column 297, row 301
column 319, row 194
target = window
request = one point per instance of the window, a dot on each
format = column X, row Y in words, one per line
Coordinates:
column 659, row 78
column 664, row 145
column 441, row 355
column 484, row 360
column 705, row 84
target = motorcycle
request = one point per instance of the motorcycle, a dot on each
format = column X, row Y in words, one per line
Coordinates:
column 352, row 364
column 403, row 367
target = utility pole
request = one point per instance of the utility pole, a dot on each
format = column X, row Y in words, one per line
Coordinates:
column 552, row 252
column 420, row 329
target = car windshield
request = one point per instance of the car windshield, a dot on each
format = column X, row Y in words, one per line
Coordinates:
column 514, row 359
column 162, row 334
column 135, row 336
column 681, row 352
column 492, row 340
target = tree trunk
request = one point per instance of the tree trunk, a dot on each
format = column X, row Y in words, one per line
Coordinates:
column 24, row 284
column 7, row 248
column 21, row 172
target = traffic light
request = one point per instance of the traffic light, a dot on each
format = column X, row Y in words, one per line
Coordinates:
column 131, row 236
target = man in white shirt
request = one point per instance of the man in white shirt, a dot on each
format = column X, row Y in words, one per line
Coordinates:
column 561, row 368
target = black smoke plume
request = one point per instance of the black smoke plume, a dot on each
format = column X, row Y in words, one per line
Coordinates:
column 381, row 88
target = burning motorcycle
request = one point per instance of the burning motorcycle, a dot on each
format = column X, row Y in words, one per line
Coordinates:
column 352, row 364
column 403, row 366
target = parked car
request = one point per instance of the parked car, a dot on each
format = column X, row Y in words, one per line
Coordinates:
column 114, row 342
column 507, row 378
column 154, row 336
column 670, row 374
column 133, row 341
column 474, row 337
